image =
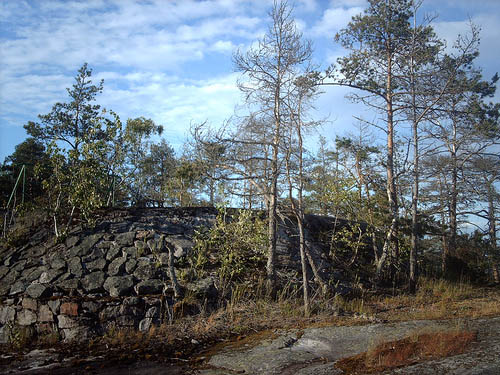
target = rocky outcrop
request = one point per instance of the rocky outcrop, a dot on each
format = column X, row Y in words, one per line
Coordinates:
column 116, row 274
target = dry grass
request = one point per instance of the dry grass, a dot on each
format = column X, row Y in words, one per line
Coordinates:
column 438, row 299
column 410, row 350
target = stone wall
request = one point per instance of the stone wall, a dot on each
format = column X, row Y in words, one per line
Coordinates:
column 112, row 276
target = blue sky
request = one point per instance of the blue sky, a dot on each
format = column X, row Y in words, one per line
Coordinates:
column 171, row 60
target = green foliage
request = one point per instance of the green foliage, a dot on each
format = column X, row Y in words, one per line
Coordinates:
column 235, row 245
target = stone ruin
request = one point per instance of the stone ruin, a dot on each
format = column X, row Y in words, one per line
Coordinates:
column 112, row 276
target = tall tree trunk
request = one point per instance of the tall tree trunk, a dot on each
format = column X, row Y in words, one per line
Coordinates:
column 493, row 232
column 273, row 202
column 391, row 238
column 414, row 199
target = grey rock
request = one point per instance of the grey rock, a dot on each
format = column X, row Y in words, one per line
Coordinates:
column 45, row 314
column 106, row 245
column 91, row 307
column 80, row 333
column 93, row 282
column 97, row 265
column 152, row 286
column 75, row 266
column 7, row 314
column 50, row 275
column 65, row 321
column 117, row 266
column 112, row 253
column 85, row 245
column 18, row 287
column 182, row 246
column 130, row 265
column 134, row 311
column 71, row 241
column 34, row 273
column 58, row 263
column 54, row 305
column 203, row 288
column 125, row 239
column 26, row 317
column 109, row 313
column 69, row 284
column 118, row 285
column 130, row 252
column 4, row 334
column 30, row 304
column 145, row 271
column 132, row 301
column 19, row 266
column 4, row 270
column 39, row 291
column 11, row 277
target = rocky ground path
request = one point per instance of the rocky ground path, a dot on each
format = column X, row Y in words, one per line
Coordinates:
column 311, row 351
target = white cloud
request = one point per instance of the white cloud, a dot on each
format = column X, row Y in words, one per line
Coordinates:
column 333, row 20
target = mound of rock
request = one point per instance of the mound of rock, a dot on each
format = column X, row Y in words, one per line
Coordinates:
column 115, row 275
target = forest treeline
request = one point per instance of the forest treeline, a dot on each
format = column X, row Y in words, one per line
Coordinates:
column 437, row 168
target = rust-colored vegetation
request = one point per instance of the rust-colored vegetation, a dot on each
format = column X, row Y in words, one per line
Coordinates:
column 407, row 351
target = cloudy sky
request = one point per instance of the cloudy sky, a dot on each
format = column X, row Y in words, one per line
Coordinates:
column 171, row 60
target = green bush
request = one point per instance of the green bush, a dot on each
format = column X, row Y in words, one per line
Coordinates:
column 235, row 247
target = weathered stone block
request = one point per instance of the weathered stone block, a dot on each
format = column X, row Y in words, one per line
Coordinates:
column 69, row 308
column 70, row 287
column 54, row 306
column 26, row 317
column 125, row 239
column 117, row 266
column 152, row 286
column 93, row 282
column 58, row 263
column 4, row 270
column 4, row 334
column 50, row 275
column 118, row 285
column 181, row 245
column 145, row 271
column 75, row 266
column 45, row 314
column 7, row 314
column 90, row 307
column 97, row 265
column 130, row 252
column 18, row 287
column 34, row 273
column 71, row 241
column 76, row 334
column 112, row 253
column 29, row 303
column 39, row 291
column 66, row 322
column 104, row 245
column 109, row 313
column 130, row 265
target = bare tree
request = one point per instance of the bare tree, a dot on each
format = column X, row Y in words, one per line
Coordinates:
column 269, row 70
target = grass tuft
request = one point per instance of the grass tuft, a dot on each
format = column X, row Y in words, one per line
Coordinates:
column 407, row 351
